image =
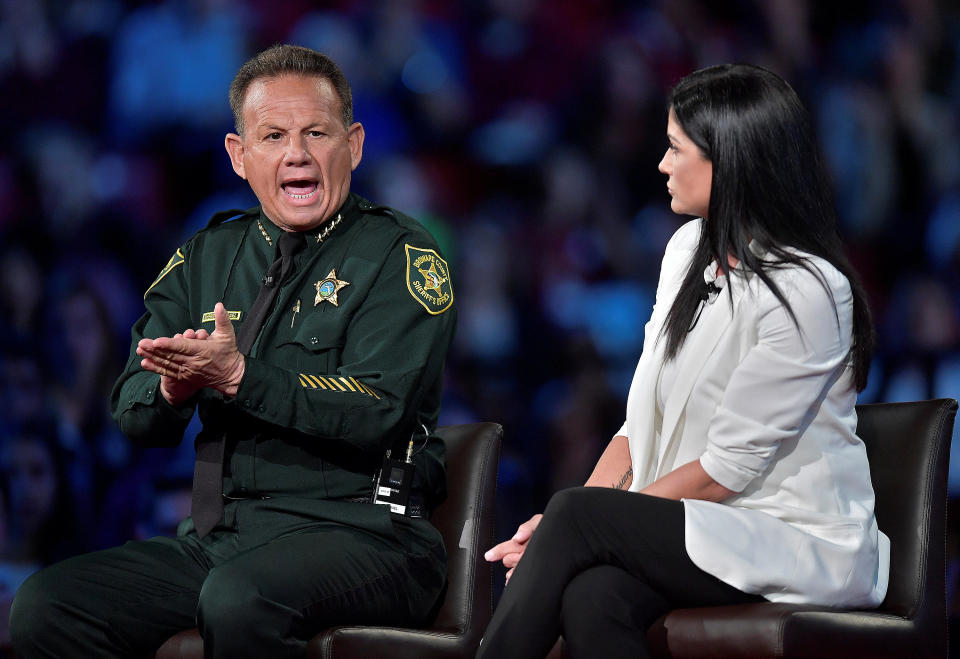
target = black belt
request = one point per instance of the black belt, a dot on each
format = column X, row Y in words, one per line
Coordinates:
column 416, row 508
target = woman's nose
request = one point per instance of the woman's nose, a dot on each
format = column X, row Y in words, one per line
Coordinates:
column 664, row 165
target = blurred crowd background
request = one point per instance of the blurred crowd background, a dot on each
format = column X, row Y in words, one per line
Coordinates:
column 525, row 134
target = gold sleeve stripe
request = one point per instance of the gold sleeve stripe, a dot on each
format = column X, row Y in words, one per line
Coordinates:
column 308, row 381
column 370, row 391
column 324, row 381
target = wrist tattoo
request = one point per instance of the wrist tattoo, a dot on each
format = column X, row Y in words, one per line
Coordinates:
column 627, row 477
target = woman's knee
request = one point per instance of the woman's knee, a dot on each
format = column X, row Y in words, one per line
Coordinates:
column 569, row 518
column 572, row 502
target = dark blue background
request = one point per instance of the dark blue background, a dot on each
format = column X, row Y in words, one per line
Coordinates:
column 524, row 134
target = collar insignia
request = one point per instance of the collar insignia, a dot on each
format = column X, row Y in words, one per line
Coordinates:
column 328, row 287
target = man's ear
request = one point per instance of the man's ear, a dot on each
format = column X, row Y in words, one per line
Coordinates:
column 234, row 145
column 355, row 135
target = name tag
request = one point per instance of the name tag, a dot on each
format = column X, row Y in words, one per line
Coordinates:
column 208, row 317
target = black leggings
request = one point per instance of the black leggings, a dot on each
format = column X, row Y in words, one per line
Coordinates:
column 602, row 566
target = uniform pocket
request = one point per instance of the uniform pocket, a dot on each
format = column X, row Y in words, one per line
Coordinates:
column 320, row 331
column 315, row 346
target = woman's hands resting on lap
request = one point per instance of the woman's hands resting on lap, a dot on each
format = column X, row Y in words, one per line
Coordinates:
column 510, row 551
column 612, row 470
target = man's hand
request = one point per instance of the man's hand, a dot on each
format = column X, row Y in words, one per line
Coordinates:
column 192, row 360
column 176, row 391
column 510, row 551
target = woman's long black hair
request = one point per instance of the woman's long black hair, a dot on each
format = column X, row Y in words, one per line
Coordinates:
column 769, row 185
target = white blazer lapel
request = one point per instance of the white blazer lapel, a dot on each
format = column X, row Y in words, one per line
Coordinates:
column 693, row 357
column 644, row 455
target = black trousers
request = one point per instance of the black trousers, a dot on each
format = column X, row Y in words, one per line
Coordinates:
column 260, row 586
column 602, row 566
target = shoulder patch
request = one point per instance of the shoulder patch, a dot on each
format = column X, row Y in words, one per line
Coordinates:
column 175, row 260
column 428, row 279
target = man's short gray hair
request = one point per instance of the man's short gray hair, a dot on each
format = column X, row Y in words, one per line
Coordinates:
column 282, row 60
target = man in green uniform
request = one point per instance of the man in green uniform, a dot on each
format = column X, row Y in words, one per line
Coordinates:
column 344, row 312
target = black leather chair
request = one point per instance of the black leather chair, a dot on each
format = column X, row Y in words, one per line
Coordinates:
column 908, row 445
column 465, row 520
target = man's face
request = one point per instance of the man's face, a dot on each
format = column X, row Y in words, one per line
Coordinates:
column 295, row 152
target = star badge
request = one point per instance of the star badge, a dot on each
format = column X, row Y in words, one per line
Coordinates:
column 432, row 281
column 328, row 287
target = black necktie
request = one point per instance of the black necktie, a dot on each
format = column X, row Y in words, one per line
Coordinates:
column 207, row 505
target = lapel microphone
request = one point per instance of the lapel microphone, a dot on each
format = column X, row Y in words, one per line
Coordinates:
column 707, row 289
column 705, row 292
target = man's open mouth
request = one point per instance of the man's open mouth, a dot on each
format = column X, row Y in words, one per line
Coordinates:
column 303, row 189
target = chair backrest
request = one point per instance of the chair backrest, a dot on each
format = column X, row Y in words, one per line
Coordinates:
column 465, row 520
column 908, row 445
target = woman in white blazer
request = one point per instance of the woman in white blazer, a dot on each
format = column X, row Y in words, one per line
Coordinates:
column 737, row 475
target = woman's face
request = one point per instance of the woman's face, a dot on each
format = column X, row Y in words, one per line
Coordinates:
column 689, row 172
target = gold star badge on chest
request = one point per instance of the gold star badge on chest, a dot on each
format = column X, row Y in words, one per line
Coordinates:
column 328, row 287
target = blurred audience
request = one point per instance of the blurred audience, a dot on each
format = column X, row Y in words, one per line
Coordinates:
column 38, row 524
column 523, row 134
column 41, row 522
